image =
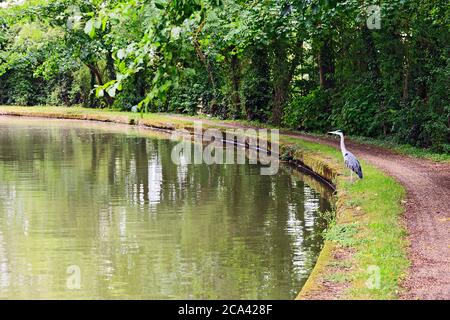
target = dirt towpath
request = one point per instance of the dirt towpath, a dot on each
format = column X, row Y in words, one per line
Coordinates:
column 427, row 215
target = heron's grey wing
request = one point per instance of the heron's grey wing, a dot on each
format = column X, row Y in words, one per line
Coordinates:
column 353, row 164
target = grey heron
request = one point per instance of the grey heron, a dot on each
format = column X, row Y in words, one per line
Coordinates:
column 349, row 159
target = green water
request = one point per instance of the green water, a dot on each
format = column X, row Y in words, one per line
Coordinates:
column 106, row 205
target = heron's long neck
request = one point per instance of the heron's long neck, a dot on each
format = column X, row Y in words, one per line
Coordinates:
column 343, row 149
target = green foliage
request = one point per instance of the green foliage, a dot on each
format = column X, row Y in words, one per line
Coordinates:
column 310, row 112
column 256, row 88
column 308, row 65
column 357, row 110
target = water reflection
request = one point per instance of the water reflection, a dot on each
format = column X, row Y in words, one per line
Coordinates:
column 139, row 226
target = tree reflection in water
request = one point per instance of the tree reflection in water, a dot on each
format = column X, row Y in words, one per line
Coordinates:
column 139, row 226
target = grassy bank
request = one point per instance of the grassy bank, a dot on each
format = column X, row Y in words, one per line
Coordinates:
column 364, row 239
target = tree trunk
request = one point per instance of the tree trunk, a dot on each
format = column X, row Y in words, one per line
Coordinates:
column 284, row 71
column 256, row 84
column 370, row 58
column 91, row 98
column 326, row 65
column 110, row 66
column 279, row 99
column 236, row 80
column 202, row 57
column 405, row 89
column 96, row 71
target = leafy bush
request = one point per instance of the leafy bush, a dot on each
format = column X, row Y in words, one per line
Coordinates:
column 310, row 112
column 355, row 111
column 191, row 97
column 256, row 87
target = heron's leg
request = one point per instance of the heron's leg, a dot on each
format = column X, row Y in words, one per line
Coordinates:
column 351, row 176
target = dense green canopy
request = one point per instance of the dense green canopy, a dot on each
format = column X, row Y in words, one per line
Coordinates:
column 305, row 64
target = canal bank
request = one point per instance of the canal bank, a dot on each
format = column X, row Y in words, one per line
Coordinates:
column 364, row 255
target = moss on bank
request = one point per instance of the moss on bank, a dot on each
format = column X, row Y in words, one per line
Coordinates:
column 365, row 241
